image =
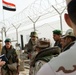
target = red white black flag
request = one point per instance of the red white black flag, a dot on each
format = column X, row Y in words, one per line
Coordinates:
column 9, row 6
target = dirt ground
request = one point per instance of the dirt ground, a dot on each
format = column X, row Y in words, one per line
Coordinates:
column 25, row 72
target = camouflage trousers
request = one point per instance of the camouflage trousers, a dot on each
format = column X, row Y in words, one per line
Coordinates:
column 8, row 72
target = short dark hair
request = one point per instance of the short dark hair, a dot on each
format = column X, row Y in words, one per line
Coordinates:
column 71, row 8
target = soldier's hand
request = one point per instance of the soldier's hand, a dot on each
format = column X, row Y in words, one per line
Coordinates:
column 2, row 63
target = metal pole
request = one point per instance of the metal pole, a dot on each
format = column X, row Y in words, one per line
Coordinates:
column 16, row 31
column 60, row 14
column 61, row 22
column 34, row 27
column 34, row 22
column 3, row 34
column 61, row 19
column 17, row 35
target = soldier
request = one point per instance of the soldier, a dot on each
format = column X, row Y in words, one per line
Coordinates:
column 32, row 43
column 69, row 39
column 42, row 44
column 56, row 36
column 10, row 53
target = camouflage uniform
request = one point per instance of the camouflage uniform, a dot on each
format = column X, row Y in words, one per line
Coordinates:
column 32, row 43
column 57, row 39
column 12, row 58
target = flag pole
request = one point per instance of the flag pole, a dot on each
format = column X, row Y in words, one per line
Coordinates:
column 7, row 6
column 3, row 27
column 2, row 10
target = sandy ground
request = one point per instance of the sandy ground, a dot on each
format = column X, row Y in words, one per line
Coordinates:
column 25, row 72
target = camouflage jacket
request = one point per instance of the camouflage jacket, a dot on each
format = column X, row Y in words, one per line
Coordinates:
column 10, row 54
column 31, row 46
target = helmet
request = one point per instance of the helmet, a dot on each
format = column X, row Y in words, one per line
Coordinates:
column 33, row 34
column 8, row 40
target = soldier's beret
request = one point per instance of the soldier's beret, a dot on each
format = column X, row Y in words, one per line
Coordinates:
column 58, row 32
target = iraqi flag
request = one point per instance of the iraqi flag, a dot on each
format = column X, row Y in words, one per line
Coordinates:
column 9, row 6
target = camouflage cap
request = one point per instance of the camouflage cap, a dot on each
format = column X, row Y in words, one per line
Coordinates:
column 33, row 34
column 58, row 32
column 7, row 40
column 69, row 32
